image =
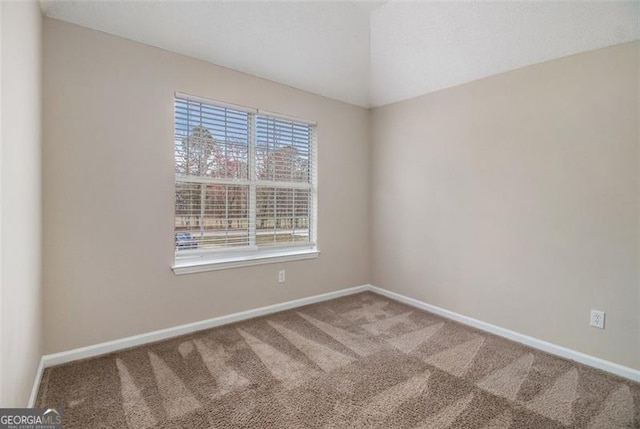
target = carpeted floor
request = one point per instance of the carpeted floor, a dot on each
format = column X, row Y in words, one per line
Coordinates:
column 361, row 361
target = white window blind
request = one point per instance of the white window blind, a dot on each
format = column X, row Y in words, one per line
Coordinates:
column 245, row 181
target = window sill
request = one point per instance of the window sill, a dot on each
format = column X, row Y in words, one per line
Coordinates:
column 190, row 267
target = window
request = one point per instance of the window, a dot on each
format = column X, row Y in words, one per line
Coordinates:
column 245, row 187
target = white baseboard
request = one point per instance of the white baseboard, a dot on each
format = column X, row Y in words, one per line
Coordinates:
column 554, row 349
column 36, row 384
column 163, row 334
column 150, row 337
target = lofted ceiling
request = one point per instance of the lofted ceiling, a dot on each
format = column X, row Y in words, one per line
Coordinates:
column 367, row 53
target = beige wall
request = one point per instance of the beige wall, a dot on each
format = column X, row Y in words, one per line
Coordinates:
column 514, row 200
column 20, row 334
column 108, row 191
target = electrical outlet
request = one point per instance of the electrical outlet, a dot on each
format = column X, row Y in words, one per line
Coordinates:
column 597, row 319
column 281, row 276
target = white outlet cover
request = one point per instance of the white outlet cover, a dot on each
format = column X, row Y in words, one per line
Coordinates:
column 281, row 276
column 597, row 319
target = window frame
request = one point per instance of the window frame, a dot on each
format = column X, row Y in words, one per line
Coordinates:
column 199, row 260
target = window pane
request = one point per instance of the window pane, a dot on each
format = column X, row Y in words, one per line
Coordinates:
column 210, row 141
column 282, row 215
column 283, row 150
column 211, row 216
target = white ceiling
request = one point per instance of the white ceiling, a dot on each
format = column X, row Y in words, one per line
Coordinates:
column 368, row 53
column 417, row 48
